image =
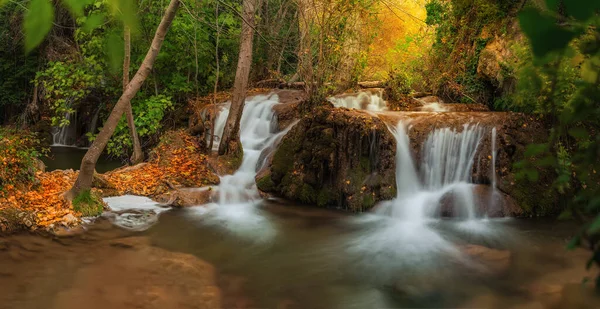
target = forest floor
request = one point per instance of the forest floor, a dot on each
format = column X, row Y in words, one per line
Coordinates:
column 176, row 162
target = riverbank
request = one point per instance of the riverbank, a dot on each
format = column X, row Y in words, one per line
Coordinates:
column 175, row 163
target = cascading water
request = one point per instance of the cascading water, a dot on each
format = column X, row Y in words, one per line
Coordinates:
column 448, row 157
column 373, row 102
column 65, row 135
column 256, row 134
column 237, row 193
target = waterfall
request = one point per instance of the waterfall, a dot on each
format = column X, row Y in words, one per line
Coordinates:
column 256, row 134
column 373, row 102
column 65, row 135
column 220, row 121
column 94, row 123
column 445, row 172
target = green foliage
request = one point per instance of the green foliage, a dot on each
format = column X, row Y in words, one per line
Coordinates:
column 16, row 68
column 19, row 157
column 148, row 113
column 463, row 28
column 37, row 22
column 565, row 77
column 88, row 203
column 66, row 84
column 399, row 84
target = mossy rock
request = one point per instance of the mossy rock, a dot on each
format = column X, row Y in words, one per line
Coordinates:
column 89, row 203
column 328, row 160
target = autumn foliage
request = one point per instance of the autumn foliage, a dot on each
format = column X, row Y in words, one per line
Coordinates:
column 36, row 201
column 175, row 162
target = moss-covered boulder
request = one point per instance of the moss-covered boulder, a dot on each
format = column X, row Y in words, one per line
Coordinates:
column 334, row 158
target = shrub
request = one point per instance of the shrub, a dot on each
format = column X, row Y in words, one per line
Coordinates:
column 19, row 157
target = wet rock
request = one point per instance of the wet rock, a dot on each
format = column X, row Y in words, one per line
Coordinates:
column 186, row 197
column 489, row 202
column 334, row 158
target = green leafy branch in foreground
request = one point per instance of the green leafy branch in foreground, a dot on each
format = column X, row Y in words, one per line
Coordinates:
column 570, row 30
column 39, row 17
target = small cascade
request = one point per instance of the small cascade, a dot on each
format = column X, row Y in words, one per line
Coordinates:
column 220, row 121
column 256, row 134
column 369, row 101
column 66, row 135
column 445, row 172
column 435, row 107
column 93, row 126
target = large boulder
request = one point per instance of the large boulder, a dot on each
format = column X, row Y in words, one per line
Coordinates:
column 334, row 158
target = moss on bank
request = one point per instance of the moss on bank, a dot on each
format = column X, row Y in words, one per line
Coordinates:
column 89, row 203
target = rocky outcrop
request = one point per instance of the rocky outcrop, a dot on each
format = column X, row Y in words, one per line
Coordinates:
column 334, row 158
column 497, row 59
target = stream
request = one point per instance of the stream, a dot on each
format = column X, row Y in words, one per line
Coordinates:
column 278, row 255
column 243, row 251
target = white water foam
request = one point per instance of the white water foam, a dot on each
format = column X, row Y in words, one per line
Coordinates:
column 373, row 102
column 448, row 157
column 133, row 212
column 434, row 107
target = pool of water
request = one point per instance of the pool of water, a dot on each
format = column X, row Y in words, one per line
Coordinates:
column 63, row 158
column 276, row 255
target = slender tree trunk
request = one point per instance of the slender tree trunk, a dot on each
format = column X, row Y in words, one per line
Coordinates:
column 214, row 114
column 230, row 143
column 88, row 164
column 138, row 155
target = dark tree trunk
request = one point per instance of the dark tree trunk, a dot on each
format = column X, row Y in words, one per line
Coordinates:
column 88, row 164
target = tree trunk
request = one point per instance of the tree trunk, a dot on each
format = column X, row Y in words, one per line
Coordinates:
column 88, row 164
column 214, row 100
column 138, row 155
column 230, row 142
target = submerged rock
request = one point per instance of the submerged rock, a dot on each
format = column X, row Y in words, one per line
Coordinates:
column 334, row 158
column 489, row 202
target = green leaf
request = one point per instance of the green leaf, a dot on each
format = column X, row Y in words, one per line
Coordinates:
column 595, row 226
column 37, row 22
column 579, row 133
column 93, row 21
column 574, row 243
column 535, row 149
column 553, row 5
column 582, row 9
column 114, row 48
column 543, row 32
column 566, row 215
column 76, row 6
column 126, row 10
column 546, row 161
